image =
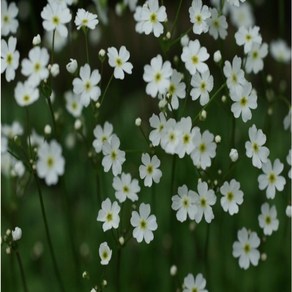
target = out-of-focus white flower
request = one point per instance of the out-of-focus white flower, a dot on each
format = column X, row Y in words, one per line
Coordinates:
column 217, row 25
column 73, row 104
column 25, row 94
column 280, row 51
column 233, row 154
column 16, row 233
column 9, row 23
column 105, row 254
column 268, row 219
column 254, row 61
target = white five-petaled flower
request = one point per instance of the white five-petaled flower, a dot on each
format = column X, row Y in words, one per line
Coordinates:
column 205, row 148
column 73, row 104
column 234, row 74
column 119, row 61
column 217, row 25
column 199, row 14
column 242, row 15
column 126, row 187
column 254, row 61
column 280, row 51
column 245, row 99
column 232, row 196
column 149, row 170
column 113, row 156
column 105, row 254
column 55, row 15
column 85, row 19
column 25, row 94
column 158, row 124
column 268, row 219
column 149, row 18
column 204, row 200
column 184, row 204
column 109, row 214
column 254, row 147
column 192, row 284
column 247, row 37
column 271, row 179
column 158, row 75
column 194, row 56
column 86, row 85
column 202, row 84
column 9, row 23
column 50, row 164
column 35, row 68
column 246, row 248
column 144, row 224
column 102, row 135
column 9, row 58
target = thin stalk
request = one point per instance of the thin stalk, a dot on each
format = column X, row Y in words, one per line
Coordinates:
column 21, row 271
column 56, row 269
column 53, row 47
column 52, row 113
column 211, row 99
column 107, row 86
column 173, row 166
column 86, row 45
column 176, row 16
column 119, row 270
column 144, row 135
column 206, row 251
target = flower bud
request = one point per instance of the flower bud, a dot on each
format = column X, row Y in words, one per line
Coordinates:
column 217, row 57
column 289, row 211
column 269, row 78
column 184, row 40
column 77, row 125
column 55, row 70
column 138, row 122
column 16, row 233
column 203, row 115
column 223, row 98
column 121, row 240
column 264, row 257
column 168, row 35
column 36, row 40
column 162, row 103
column 233, row 154
column 101, row 55
column 217, row 138
column 173, row 270
column 48, row 130
column 72, row 66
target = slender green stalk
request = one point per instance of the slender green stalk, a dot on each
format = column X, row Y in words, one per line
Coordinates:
column 21, row 271
column 119, row 269
column 53, row 47
column 52, row 113
column 144, row 135
column 86, row 45
column 56, row 269
column 176, row 16
column 211, row 99
column 173, row 166
column 28, row 130
column 107, row 86
column 206, row 251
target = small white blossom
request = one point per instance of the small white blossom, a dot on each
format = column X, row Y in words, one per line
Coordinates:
column 242, row 15
column 217, row 25
column 247, row 37
column 105, row 254
column 280, row 51
column 233, row 154
column 158, row 124
column 16, row 234
column 25, row 94
column 246, row 248
column 149, row 170
column 73, row 104
column 102, row 135
column 9, row 23
column 85, row 19
column 109, row 214
column 192, row 284
column 144, row 224
column 288, row 211
column 268, row 219
column 254, row 61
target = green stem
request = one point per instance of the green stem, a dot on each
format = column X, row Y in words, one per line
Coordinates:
column 53, row 47
column 86, row 45
column 211, row 99
column 52, row 113
column 206, row 251
column 119, row 270
column 107, row 86
column 176, row 16
column 57, row 272
column 21, row 271
column 173, row 165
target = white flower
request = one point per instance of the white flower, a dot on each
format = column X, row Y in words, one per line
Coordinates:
column 235, row 2
column 86, row 85
column 254, row 147
column 50, row 164
column 35, row 68
column 245, row 99
column 234, row 74
column 176, row 89
column 102, row 135
column 55, row 16
column 194, row 56
column 199, row 15
column 232, row 196
column 254, row 61
column 247, row 37
column 246, row 248
column 85, row 19
column 149, row 170
column 217, row 25
column 109, row 214
column 280, row 51
column 119, row 61
column 184, row 204
column 150, row 18
column 105, row 254
column 158, row 124
column 9, row 58
column 158, row 75
column 72, row 66
column 144, row 223
column 126, row 187
column 16, row 233
column 25, row 94
column 271, row 179
column 9, row 23
column 198, row 285
column 268, row 219
column 171, row 137
column 204, row 200
column 113, row 156
column 10, row 131
column 202, row 84
column 73, row 104
column 205, row 148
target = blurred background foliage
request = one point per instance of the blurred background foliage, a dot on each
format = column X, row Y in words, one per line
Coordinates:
column 72, row 205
